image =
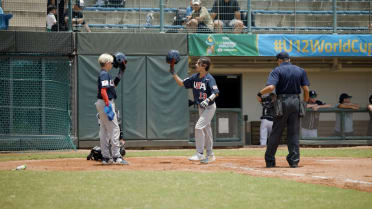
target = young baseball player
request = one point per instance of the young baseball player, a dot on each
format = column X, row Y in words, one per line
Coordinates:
column 205, row 91
column 109, row 132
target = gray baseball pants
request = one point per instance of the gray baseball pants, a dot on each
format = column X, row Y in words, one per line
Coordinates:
column 109, row 132
column 203, row 130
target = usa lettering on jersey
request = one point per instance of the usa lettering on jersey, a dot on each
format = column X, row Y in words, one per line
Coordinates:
column 200, row 85
column 105, row 83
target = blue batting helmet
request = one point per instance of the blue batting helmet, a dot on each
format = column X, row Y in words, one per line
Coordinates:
column 173, row 54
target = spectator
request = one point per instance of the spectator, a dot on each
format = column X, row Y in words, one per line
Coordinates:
column 77, row 15
column 189, row 9
column 51, row 22
column 369, row 131
column 310, row 122
column 226, row 13
column 267, row 117
column 345, row 103
column 199, row 19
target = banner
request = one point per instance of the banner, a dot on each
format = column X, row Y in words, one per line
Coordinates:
column 222, row 45
column 271, row 44
column 315, row 45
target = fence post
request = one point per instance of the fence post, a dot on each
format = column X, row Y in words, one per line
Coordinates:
column 249, row 17
column 161, row 15
column 334, row 7
column 342, row 128
column 69, row 16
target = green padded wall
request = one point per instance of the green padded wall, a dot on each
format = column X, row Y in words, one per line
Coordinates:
column 167, row 103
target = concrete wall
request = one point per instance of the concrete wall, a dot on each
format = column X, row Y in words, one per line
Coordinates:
column 329, row 85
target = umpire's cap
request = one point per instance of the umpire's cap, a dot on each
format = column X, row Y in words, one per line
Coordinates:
column 282, row 55
column 342, row 97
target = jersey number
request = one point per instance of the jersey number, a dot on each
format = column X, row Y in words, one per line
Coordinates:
column 202, row 96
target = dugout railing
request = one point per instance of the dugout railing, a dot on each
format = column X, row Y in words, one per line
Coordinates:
column 359, row 137
column 226, row 126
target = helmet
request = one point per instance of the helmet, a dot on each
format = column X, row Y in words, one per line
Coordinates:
column 173, row 54
column 119, row 59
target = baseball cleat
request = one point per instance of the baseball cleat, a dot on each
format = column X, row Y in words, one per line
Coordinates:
column 106, row 161
column 197, row 157
column 208, row 159
column 121, row 161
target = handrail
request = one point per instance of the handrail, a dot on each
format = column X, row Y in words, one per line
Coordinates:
column 342, row 111
column 335, row 109
column 129, row 9
column 253, row 27
column 310, row 12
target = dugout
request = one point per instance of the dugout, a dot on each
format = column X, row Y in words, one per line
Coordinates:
column 328, row 76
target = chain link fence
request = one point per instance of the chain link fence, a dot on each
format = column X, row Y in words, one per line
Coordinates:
column 210, row 16
column 35, row 103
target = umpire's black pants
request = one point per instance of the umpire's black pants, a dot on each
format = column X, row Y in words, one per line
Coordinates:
column 291, row 106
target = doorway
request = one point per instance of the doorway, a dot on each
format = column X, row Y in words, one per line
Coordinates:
column 230, row 91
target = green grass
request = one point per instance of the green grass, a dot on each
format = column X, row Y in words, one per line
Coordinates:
column 252, row 152
column 170, row 189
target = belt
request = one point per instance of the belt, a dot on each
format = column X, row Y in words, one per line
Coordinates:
column 104, row 100
column 267, row 118
column 288, row 96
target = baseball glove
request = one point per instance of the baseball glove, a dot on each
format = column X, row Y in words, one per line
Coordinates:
column 95, row 154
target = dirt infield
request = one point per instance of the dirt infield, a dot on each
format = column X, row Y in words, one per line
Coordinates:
column 351, row 173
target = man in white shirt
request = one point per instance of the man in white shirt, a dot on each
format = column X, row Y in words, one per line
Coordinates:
column 51, row 18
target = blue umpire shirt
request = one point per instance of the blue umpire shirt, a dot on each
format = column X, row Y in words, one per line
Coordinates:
column 288, row 79
column 202, row 88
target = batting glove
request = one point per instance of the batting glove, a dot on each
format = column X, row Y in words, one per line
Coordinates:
column 204, row 103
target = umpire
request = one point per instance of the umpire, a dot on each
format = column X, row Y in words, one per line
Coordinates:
column 287, row 80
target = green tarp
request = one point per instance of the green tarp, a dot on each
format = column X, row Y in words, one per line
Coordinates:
column 151, row 104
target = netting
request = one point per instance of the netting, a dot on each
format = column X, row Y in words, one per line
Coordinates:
column 34, row 103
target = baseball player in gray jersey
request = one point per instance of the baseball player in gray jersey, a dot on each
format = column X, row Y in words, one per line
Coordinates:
column 109, row 132
column 205, row 91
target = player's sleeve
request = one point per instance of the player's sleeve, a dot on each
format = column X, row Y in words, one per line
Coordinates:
column 213, row 86
column 304, row 79
column 188, row 82
column 273, row 78
column 105, row 80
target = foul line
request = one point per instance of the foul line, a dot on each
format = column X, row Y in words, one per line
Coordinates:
column 232, row 166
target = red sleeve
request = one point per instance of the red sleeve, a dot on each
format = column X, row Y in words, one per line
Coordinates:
column 104, row 96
